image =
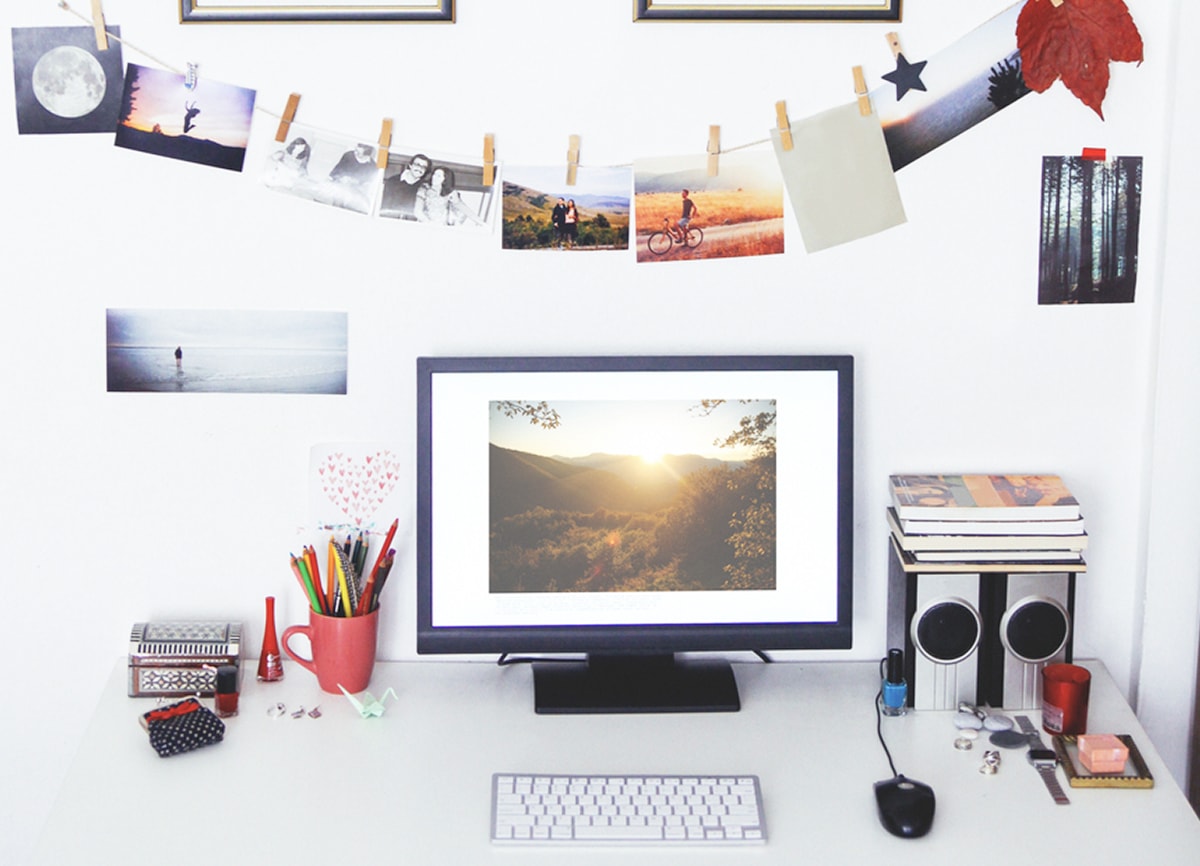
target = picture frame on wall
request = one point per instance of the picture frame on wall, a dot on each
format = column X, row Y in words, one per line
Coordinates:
column 767, row 10
column 281, row 11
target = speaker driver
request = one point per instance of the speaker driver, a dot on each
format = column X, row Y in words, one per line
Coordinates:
column 1035, row 629
column 947, row 630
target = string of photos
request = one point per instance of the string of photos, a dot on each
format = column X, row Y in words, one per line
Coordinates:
column 838, row 168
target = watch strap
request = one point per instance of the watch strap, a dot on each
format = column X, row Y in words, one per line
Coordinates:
column 1048, row 772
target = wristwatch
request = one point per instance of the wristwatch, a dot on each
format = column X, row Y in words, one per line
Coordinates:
column 1044, row 760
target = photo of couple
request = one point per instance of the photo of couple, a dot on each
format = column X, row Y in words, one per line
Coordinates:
column 417, row 189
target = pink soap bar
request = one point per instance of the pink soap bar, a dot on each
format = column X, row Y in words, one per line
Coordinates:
column 1102, row 753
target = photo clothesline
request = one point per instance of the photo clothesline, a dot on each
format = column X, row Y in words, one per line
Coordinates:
column 278, row 116
column 838, row 166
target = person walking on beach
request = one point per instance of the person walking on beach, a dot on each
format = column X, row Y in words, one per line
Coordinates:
column 179, row 356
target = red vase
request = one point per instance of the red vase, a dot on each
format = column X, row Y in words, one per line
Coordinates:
column 270, row 663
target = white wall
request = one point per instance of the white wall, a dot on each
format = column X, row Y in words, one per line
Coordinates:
column 119, row 507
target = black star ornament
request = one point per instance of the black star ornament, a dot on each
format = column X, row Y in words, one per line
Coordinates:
column 907, row 76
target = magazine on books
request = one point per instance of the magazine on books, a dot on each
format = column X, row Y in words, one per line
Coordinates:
column 983, row 497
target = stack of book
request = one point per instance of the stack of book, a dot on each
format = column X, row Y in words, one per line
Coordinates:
column 1030, row 520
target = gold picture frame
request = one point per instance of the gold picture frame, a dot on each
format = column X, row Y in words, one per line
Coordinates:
column 1136, row 775
column 758, row 10
column 281, row 11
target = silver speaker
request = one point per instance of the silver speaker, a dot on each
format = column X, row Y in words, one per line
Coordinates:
column 1032, row 618
column 936, row 618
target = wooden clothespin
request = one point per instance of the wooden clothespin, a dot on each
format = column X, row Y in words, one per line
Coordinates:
column 289, row 114
column 860, row 89
column 489, row 159
column 385, row 141
column 98, row 25
column 572, row 159
column 893, row 40
column 714, row 149
column 783, row 125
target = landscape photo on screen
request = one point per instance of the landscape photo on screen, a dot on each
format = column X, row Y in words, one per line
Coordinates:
column 632, row 495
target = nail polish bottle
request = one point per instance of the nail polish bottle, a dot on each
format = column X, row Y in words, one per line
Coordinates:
column 226, row 697
column 270, row 662
column 895, row 688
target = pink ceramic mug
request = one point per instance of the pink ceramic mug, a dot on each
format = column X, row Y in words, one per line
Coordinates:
column 343, row 649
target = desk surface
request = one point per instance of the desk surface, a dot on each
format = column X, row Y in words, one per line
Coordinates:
column 339, row 788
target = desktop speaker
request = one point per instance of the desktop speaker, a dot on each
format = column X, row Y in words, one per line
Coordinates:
column 937, row 619
column 979, row 638
column 1030, row 618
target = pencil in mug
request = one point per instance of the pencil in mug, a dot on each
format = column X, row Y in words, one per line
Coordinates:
column 305, row 585
column 385, row 569
column 314, row 571
column 300, row 566
column 347, row 608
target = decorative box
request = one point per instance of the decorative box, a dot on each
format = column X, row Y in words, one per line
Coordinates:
column 172, row 659
column 1102, row 753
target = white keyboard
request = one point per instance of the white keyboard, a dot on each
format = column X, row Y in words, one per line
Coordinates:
column 596, row 809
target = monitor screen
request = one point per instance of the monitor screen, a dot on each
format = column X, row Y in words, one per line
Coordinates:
column 632, row 509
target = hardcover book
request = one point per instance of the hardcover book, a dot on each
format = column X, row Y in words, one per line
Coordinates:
column 983, row 497
column 983, row 542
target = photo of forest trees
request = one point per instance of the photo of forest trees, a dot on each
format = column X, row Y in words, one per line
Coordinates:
column 1091, row 210
column 632, row 496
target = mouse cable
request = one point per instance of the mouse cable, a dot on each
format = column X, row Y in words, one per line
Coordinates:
column 879, row 721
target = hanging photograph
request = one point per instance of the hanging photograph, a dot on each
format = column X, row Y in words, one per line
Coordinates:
column 543, row 212
column 1091, row 210
column 767, row 10
column 202, row 11
column 435, row 190
column 226, row 351
column 927, row 101
column 683, row 212
column 208, row 123
column 314, row 165
column 63, row 83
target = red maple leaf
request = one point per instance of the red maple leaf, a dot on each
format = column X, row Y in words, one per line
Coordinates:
column 1075, row 41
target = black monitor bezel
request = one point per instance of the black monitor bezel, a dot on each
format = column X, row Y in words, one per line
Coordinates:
column 639, row 639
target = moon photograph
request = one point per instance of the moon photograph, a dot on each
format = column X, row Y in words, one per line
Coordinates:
column 63, row 83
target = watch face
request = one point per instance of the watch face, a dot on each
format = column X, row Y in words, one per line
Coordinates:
column 1038, row 756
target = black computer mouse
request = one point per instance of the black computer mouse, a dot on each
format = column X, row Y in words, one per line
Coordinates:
column 905, row 806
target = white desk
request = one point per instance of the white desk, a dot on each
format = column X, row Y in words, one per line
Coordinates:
column 340, row 789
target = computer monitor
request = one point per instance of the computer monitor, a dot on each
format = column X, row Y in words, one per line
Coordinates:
column 625, row 518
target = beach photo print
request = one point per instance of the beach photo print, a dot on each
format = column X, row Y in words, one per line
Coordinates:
column 63, row 83
column 683, row 213
column 226, row 351
column 208, row 123
column 543, row 212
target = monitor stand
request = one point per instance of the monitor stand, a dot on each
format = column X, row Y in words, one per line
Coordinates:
column 635, row 684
